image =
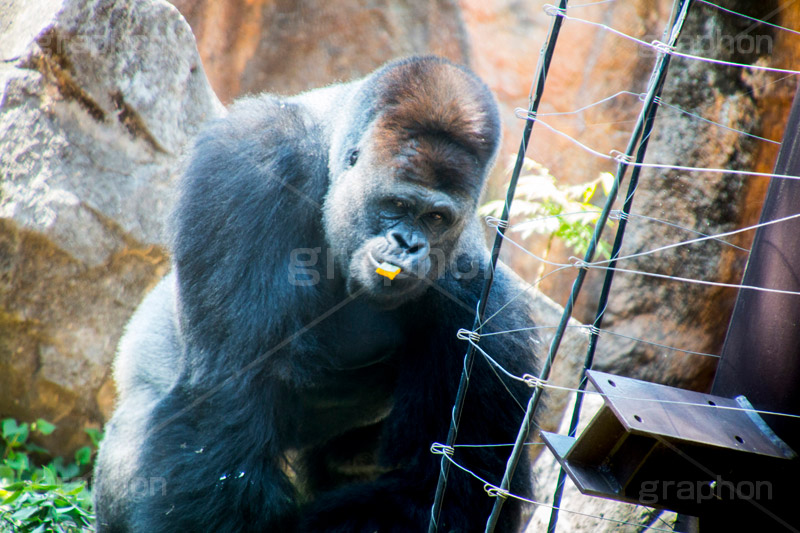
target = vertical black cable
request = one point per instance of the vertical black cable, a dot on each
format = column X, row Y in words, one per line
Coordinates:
column 469, row 358
column 657, row 81
column 603, row 300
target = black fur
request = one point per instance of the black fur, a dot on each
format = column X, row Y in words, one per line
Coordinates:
column 273, row 381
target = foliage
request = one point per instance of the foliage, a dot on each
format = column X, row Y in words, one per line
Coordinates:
column 42, row 498
column 562, row 212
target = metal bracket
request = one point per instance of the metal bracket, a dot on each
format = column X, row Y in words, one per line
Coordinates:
column 664, row 447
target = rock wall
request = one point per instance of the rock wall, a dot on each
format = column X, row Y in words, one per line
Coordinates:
column 286, row 47
column 591, row 64
column 98, row 100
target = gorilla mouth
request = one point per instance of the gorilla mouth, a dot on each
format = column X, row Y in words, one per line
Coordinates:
column 407, row 284
column 404, row 273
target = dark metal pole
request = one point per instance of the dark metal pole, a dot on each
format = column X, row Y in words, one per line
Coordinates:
column 604, row 295
column 469, row 358
column 761, row 355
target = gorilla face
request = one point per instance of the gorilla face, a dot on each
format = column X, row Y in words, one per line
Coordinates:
column 406, row 171
column 407, row 227
column 405, row 205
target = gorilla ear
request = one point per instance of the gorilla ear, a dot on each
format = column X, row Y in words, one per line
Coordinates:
column 431, row 96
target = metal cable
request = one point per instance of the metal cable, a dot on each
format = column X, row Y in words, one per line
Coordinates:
column 656, row 83
column 469, row 358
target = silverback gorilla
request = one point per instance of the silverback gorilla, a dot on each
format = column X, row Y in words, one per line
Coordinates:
column 275, row 380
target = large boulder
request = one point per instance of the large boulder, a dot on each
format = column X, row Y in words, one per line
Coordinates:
column 98, row 100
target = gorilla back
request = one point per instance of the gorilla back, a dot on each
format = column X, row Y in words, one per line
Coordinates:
column 276, row 380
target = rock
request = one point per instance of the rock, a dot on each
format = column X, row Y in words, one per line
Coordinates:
column 288, row 47
column 591, row 64
column 98, row 100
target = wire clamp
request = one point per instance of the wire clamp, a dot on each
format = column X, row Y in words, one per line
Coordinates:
column 578, row 263
column 494, row 222
column 619, row 157
column 554, row 11
column 495, row 492
column 534, row 382
column 467, row 335
column 617, row 214
column 524, row 114
column 442, row 449
column 664, row 48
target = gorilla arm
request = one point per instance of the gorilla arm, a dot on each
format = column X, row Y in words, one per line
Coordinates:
column 146, row 368
column 198, row 413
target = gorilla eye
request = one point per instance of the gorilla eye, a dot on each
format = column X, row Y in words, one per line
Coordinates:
column 437, row 218
column 399, row 204
column 353, row 157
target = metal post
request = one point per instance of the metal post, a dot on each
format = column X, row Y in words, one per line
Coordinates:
column 469, row 357
column 761, row 354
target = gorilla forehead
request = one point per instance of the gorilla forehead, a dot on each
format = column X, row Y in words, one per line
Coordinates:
column 434, row 123
column 434, row 162
column 440, row 100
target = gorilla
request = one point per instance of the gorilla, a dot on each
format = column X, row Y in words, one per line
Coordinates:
column 293, row 370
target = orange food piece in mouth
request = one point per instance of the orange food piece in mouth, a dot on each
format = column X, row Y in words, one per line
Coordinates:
column 388, row 270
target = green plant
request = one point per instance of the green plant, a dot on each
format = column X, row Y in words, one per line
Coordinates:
column 559, row 212
column 42, row 498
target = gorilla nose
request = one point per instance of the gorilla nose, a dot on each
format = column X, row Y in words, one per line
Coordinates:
column 411, row 245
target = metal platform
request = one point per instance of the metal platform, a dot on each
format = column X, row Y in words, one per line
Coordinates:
column 664, row 447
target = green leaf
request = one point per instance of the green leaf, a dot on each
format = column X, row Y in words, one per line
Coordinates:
column 44, row 487
column 49, row 476
column 6, row 472
column 19, row 485
column 18, row 434
column 18, row 461
column 76, row 490
column 65, row 471
column 83, row 456
column 43, row 426
column 14, row 495
column 25, row 513
column 95, row 435
column 9, row 427
column 36, row 449
column 65, row 509
column 589, row 192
